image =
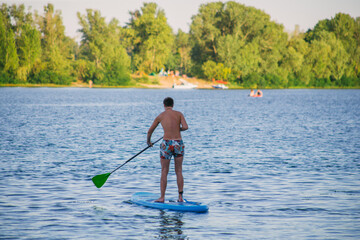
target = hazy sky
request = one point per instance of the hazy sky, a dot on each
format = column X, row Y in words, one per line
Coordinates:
column 305, row 13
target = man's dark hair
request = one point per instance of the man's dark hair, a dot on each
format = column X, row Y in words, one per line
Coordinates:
column 169, row 102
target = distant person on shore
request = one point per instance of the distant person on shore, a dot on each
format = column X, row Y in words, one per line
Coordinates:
column 90, row 83
column 173, row 122
column 252, row 93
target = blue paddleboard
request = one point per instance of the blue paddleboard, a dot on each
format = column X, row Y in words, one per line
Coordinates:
column 147, row 199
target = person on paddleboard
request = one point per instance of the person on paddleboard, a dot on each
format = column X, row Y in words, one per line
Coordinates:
column 173, row 122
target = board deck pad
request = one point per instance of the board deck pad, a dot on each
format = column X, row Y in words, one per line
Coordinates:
column 147, row 199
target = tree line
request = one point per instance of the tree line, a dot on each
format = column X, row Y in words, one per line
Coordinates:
column 227, row 41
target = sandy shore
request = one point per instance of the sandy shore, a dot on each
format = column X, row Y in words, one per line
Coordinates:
column 163, row 83
column 167, row 82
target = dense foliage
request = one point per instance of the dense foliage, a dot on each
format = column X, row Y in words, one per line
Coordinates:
column 152, row 38
column 227, row 41
column 241, row 44
column 101, row 58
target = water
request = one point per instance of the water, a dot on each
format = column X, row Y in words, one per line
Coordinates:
column 285, row 166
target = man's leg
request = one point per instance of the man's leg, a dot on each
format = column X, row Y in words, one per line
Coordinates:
column 165, row 164
column 179, row 176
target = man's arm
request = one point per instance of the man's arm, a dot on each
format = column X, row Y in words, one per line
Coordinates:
column 183, row 123
column 151, row 130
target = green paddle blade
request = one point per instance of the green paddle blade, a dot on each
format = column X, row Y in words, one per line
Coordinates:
column 99, row 180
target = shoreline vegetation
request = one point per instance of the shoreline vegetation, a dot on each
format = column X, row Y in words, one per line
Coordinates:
column 228, row 42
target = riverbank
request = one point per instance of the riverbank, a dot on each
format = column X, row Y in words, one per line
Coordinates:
column 152, row 82
column 156, row 82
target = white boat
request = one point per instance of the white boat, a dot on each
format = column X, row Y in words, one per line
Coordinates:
column 184, row 85
column 220, row 86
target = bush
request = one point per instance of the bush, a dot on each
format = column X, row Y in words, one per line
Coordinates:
column 293, row 81
column 216, row 70
column 348, row 82
column 272, row 80
column 253, row 80
column 84, row 70
column 116, row 75
column 232, row 77
column 46, row 76
column 143, row 79
column 209, row 69
column 6, row 78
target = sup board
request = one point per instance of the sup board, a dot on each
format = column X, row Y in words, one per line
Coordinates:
column 148, row 200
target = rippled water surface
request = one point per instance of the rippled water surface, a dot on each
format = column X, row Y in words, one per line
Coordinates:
column 285, row 166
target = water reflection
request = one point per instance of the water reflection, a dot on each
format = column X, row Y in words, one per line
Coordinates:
column 170, row 225
column 287, row 164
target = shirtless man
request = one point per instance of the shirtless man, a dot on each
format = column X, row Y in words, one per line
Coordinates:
column 173, row 122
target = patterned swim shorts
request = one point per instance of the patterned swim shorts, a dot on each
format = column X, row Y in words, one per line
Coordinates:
column 169, row 148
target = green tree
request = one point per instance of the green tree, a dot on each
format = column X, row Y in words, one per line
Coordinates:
column 356, row 57
column 253, row 80
column 153, row 38
column 24, row 40
column 183, row 51
column 243, row 38
column 105, row 60
column 29, row 48
column 243, row 58
column 209, row 69
column 328, row 57
column 204, row 32
column 28, row 41
column 213, row 70
column 57, row 51
column 345, row 29
column 294, row 62
column 9, row 60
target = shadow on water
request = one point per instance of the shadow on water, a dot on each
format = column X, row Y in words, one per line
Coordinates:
column 171, row 225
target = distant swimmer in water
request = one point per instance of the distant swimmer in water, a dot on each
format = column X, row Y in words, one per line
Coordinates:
column 259, row 93
column 252, row 93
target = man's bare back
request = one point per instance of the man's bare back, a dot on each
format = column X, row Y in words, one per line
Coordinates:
column 172, row 122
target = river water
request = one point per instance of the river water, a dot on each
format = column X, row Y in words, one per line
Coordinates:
column 285, row 166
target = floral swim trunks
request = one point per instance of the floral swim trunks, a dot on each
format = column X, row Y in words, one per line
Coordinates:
column 169, row 148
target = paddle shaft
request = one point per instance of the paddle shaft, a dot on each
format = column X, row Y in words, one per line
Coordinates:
column 136, row 155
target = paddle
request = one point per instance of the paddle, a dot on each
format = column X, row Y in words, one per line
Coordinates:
column 99, row 180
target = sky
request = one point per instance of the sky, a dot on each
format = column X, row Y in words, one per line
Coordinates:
column 305, row 13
